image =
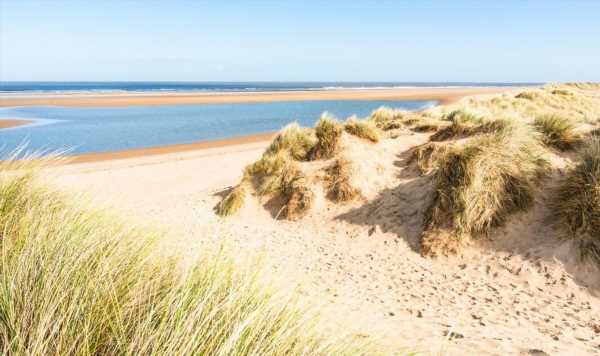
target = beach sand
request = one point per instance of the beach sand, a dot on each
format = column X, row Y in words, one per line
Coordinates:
column 520, row 294
column 8, row 123
column 358, row 261
column 443, row 95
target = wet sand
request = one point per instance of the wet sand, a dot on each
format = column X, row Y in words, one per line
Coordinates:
column 8, row 123
column 202, row 145
column 443, row 95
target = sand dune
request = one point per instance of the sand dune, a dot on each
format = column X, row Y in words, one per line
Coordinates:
column 521, row 291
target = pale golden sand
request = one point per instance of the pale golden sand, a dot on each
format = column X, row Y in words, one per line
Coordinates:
column 444, row 95
column 8, row 123
column 360, row 262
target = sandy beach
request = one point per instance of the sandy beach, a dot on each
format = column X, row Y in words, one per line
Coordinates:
column 357, row 261
column 8, row 123
column 443, row 95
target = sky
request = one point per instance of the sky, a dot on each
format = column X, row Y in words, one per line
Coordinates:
column 358, row 40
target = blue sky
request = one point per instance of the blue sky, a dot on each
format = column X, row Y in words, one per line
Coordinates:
column 300, row 41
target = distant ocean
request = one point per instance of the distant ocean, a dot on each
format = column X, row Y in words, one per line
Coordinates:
column 66, row 87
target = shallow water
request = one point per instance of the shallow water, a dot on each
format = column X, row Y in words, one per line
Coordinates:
column 84, row 130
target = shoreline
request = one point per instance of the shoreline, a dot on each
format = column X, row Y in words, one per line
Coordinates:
column 441, row 95
column 10, row 123
column 168, row 149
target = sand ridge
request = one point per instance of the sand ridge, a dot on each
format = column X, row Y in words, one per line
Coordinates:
column 9, row 123
column 443, row 95
column 359, row 260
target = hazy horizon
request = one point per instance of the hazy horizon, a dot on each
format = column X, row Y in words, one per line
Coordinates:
column 182, row 41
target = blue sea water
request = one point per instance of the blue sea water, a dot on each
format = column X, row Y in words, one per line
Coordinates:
column 84, row 130
column 32, row 87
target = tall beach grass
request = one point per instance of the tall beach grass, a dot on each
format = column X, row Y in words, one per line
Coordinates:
column 77, row 282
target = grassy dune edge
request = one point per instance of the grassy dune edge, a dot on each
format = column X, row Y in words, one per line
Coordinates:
column 75, row 282
column 488, row 157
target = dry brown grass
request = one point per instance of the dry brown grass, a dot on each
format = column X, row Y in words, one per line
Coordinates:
column 300, row 198
column 576, row 206
column 478, row 185
column 362, row 129
column 339, row 181
column 232, row 203
column 557, row 131
column 329, row 132
column 464, row 123
column 426, row 156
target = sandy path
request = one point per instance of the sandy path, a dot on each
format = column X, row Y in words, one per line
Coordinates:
column 359, row 260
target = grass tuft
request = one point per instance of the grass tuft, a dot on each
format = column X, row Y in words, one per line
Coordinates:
column 557, row 132
column 296, row 140
column 576, row 206
column 232, row 203
column 426, row 156
column 363, row 129
column 329, row 132
column 339, row 181
column 299, row 197
column 77, row 282
column 480, row 184
column 384, row 115
column 269, row 173
column 528, row 95
column 465, row 124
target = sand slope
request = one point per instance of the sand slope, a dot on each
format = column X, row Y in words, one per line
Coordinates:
column 359, row 260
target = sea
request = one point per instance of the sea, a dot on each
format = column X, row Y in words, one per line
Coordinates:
column 77, row 130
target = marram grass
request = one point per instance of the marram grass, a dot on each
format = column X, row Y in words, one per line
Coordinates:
column 557, row 131
column 576, row 206
column 478, row 185
column 362, row 129
column 75, row 282
column 329, row 132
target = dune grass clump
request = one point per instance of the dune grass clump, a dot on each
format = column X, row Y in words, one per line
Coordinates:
column 425, row 124
column 339, row 181
column 478, row 185
column 270, row 172
column 426, row 156
column 385, row 115
column 464, row 123
column 329, row 132
column 362, row 129
column 557, row 131
column 232, row 203
column 299, row 198
column 298, row 141
column 528, row 95
column 76, row 282
column 576, row 206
